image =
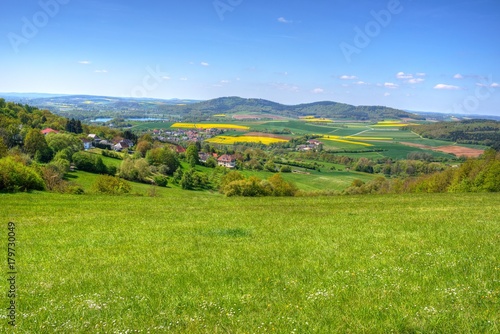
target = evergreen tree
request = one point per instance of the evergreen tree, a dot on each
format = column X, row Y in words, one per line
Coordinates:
column 78, row 127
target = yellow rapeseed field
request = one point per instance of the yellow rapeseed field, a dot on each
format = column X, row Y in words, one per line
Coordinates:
column 392, row 124
column 339, row 140
column 319, row 120
column 228, row 140
column 209, row 126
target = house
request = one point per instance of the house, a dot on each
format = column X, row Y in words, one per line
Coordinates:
column 226, row 160
column 305, row 147
column 93, row 136
column 104, row 144
column 48, row 130
column 128, row 142
column 314, row 142
column 121, row 146
column 87, row 144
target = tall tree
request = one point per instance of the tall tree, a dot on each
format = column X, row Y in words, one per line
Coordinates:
column 192, row 155
column 78, row 127
column 34, row 141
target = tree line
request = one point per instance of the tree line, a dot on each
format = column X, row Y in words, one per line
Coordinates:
column 478, row 132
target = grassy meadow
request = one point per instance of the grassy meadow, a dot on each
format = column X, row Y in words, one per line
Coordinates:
column 190, row 262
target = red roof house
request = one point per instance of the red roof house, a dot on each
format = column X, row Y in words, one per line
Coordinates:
column 48, row 130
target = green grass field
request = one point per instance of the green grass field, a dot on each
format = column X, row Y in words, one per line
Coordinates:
column 317, row 181
column 152, row 126
column 195, row 262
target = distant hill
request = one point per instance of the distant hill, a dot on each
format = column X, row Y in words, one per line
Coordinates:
column 326, row 109
column 89, row 107
column 446, row 117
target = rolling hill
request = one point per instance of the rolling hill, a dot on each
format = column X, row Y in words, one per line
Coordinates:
column 88, row 107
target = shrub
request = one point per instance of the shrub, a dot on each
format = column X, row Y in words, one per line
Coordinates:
column 53, row 177
column 161, row 180
column 286, row 169
column 280, row 187
column 111, row 185
column 89, row 162
column 135, row 170
column 15, row 176
column 112, row 154
column 74, row 189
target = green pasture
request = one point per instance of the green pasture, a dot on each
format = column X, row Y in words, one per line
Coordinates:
column 317, row 181
column 108, row 161
column 197, row 263
column 145, row 126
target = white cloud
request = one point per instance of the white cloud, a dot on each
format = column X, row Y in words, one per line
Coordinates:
column 84, row 62
column 348, row 77
column 387, row 94
column 390, row 85
column 458, row 76
column 416, row 80
column 403, row 75
column 492, row 85
column 283, row 20
column 446, row 87
column 361, row 83
column 183, row 79
column 318, row 91
column 101, row 71
column 410, row 78
column 225, row 81
column 166, row 78
column 204, row 64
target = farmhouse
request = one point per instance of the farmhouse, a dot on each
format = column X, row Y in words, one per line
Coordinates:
column 123, row 144
column 306, row 147
column 227, row 160
column 120, row 146
column 314, row 142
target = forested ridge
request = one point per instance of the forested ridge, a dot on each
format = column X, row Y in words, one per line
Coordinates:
column 89, row 107
column 477, row 132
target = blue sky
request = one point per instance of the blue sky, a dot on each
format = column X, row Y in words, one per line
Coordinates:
column 419, row 55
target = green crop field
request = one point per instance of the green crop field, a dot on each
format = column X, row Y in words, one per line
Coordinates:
column 297, row 127
column 152, row 126
column 193, row 262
